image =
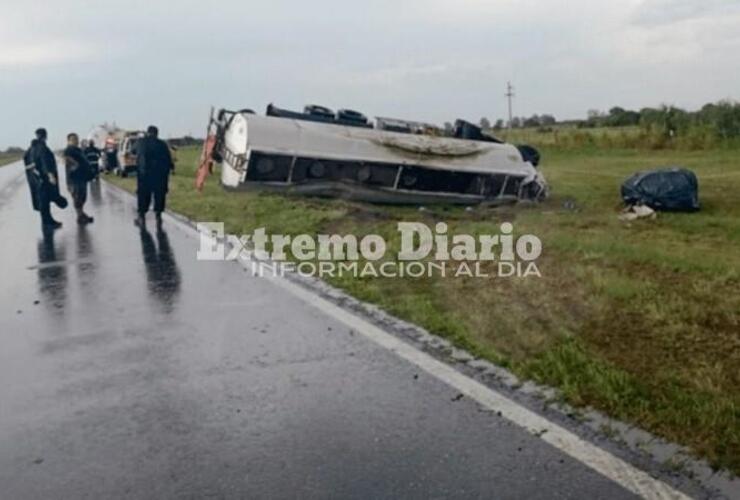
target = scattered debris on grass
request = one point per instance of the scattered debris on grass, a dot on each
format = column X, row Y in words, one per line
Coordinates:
column 634, row 212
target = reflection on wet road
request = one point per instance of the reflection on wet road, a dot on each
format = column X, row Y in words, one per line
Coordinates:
column 131, row 370
column 162, row 274
column 52, row 273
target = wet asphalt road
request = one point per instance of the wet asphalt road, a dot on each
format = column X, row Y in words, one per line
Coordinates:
column 131, row 370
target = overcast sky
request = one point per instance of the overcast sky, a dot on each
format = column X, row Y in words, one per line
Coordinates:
column 70, row 64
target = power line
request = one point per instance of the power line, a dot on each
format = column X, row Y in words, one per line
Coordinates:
column 509, row 94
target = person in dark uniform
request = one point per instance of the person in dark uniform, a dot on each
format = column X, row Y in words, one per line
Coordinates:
column 154, row 163
column 33, row 176
column 43, row 179
column 92, row 155
column 78, row 175
column 110, row 152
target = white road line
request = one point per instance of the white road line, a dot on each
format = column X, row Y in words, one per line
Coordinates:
column 603, row 462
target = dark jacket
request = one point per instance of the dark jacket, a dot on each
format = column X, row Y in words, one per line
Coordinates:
column 32, row 175
column 43, row 158
column 154, row 161
column 27, row 159
column 93, row 155
column 45, row 164
column 78, row 169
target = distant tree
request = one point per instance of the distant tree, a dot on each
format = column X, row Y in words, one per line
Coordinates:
column 722, row 118
column 547, row 120
column 532, row 121
column 631, row 118
column 620, row 117
column 650, row 117
column 448, row 128
column 516, row 122
column 485, row 124
column 14, row 150
column 498, row 125
column 668, row 121
column 595, row 118
column 184, row 141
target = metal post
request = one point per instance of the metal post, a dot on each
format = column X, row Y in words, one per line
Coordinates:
column 509, row 94
column 398, row 176
column 292, row 168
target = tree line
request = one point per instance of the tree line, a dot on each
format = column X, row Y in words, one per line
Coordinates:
column 535, row 120
column 720, row 120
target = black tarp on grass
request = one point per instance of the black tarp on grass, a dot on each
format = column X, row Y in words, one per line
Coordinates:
column 669, row 189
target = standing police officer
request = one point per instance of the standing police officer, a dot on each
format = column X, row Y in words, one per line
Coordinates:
column 92, row 155
column 33, row 176
column 154, row 163
column 43, row 179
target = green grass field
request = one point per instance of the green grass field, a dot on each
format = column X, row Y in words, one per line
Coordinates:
column 639, row 320
column 7, row 158
column 569, row 137
column 563, row 136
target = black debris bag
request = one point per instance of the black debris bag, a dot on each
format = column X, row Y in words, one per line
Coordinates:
column 669, row 189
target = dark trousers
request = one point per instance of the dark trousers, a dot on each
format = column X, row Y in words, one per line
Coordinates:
column 45, row 196
column 33, row 186
column 145, row 192
column 78, row 191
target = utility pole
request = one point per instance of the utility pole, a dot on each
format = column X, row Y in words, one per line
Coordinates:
column 509, row 94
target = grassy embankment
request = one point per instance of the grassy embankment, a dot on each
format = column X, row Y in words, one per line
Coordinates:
column 640, row 320
column 8, row 158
